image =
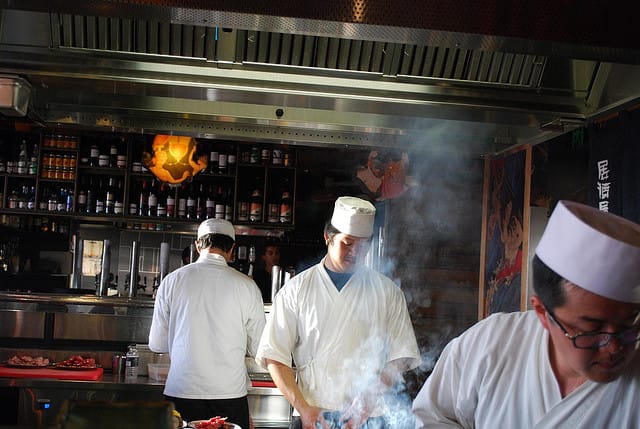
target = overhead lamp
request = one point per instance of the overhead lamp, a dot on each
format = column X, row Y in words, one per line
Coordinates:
column 174, row 158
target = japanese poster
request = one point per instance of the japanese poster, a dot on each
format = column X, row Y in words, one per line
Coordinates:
column 505, row 218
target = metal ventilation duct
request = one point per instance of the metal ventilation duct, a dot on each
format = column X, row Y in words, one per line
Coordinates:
column 471, row 76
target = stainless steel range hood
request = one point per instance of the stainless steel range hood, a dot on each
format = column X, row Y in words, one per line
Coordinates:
column 303, row 73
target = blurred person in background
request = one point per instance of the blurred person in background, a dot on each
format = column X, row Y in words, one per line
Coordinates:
column 262, row 275
column 570, row 362
column 208, row 317
column 340, row 337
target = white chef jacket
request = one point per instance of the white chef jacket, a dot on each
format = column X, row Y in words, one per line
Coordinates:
column 208, row 316
column 498, row 375
column 339, row 340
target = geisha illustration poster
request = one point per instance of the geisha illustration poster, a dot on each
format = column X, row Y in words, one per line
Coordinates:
column 505, row 220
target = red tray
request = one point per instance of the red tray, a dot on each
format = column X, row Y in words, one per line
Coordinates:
column 59, row 374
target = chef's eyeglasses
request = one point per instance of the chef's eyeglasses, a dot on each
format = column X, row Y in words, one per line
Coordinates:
column 596, row 340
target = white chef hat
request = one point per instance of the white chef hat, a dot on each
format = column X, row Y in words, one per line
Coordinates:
column 597, row 251
column 216, row 226
column 353, row 216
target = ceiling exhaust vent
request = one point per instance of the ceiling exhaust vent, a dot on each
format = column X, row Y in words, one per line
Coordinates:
column 14, row 95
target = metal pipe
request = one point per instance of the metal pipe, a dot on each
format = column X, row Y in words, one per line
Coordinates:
column 103, row 286
column 164, row 260
column 276, row 280
column 76, row 275
column 133, row 270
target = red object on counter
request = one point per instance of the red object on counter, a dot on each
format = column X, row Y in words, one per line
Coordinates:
column 257, row 383
column 59, row 374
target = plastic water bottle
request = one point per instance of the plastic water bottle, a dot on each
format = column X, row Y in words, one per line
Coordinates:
column 132, row 360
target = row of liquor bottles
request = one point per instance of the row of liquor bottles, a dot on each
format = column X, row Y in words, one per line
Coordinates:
column 101, row 195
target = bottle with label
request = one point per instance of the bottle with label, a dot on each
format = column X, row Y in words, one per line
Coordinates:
column 191, row 203
column 152, row 200
column 255, row 205
column 110, row 198
column 113, row 155
column 213, row 160
column 243, row 205
column 228, row 205
column 286, row 209
column 210, row 204
column 100, row 198
column 132, row 360
column 222, row 162
column 118, row 207
column 23, row 158
column 171, row 201
column 231, row 161
column 220, row 204
column 201, row 208
column 33, row 161
column 90, row 207
column 94, row 155
column 162, row 200
column 182, row 201
column 143, row 202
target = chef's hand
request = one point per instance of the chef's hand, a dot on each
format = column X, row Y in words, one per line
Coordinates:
column 357, row 414
column 310, row 416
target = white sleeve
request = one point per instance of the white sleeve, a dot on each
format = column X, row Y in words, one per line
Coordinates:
column 256, row 320
column 159, row 332
column 437, row 404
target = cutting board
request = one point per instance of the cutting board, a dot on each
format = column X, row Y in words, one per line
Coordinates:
column 59, row 374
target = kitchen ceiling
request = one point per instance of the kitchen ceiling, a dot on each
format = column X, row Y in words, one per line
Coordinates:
column 473, row 77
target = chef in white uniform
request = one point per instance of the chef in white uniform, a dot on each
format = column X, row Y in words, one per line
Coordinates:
column 342, row 330
column 208, row 316
column 571, row 361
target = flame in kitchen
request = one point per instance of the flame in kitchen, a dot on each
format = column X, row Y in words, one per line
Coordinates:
column 174, row 158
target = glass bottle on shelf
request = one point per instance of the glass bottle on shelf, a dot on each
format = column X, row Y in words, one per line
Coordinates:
column 210, row 203
column 182, row 201
column 222, row 162
column 82, row 201
column 100, row 198
column 273, row 208
column 110, row 197
column 91, row 198
column 53, row 201
column 201, row 208
column 231, row 161
column 113, row 155
column 213, row 160
column 228, row 205
column 22, row 198
column 43, row 201
column 286, row 208
column 220, row 204
column 118, row 206
column 31, row 201
column 33, row 161
column 243, row 205
column 171, row 201
column 255, row 205
column 94, row 155
column 152, row 200
column 143, row 200
column 162, row 200
column 23, row 158
column 191, row 203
